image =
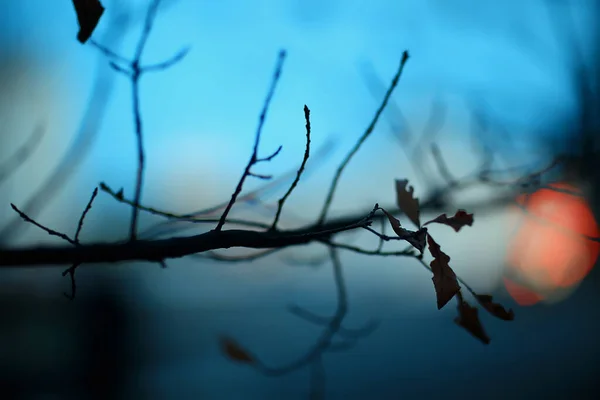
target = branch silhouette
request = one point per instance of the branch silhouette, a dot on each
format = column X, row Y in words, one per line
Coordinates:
column 254, row 159
column 162, row 249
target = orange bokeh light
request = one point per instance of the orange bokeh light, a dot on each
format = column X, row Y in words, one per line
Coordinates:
column 549, row 252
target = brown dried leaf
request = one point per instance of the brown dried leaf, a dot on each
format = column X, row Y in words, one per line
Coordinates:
column 234, row 351
column 444, row 278
column 468, row 319
column 460, row 219
column 415, row 238
column 495, row 309
column 407, row 202
column 88, row 14
column 394, row 222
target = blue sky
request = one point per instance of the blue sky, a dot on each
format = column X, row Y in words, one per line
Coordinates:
column 200, row 116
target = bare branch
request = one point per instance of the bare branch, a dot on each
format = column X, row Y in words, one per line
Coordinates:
column 83, row 215
column 272, row 156
column 109, row 53
column 441, row 165
column 254, row 157
column 360, row 141
column 409, row 251
column 180, row 217
column 122, row 70
column 168, row 63
column 136, row 73
column 281, row 201
column 51, row 232
column 247, row 198
column 22, row 154
column 260, row 176
column 158, row 250
column 235, row 259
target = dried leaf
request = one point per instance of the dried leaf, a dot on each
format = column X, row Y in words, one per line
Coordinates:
column 394, row 222
column 495, row 309
column 88, row 14
column 407, row 202
column 460, row 219
column 415, row 238
column 444, row 278
column 468, row 319
column 234, row 351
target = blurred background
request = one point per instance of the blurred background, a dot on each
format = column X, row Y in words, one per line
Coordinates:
column 501, row 88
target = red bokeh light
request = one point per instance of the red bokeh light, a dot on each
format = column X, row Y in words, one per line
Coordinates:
column 549, row 252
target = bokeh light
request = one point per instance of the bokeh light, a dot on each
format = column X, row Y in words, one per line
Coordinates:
column 550, row 252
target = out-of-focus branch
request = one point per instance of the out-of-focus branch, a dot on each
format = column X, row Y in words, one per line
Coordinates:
column 84, row 139
column 332, row 327
column 23, row 153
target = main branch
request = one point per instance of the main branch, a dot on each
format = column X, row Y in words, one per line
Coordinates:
column 159, row 250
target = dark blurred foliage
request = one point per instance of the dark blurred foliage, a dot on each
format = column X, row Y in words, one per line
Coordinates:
column 579, row 142
column 51, row 347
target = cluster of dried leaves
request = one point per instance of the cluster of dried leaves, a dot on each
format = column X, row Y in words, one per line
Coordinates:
column 445, row 281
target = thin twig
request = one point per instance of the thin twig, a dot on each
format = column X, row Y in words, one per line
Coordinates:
column 360, row 141
column 71, row 272
column 254, row 157
column 260, row 176
column 109, row 53
column 120, row 69
column 168, row 63
column 235, row 259
column 181, row 217
column 442, row 166
column 409, row 251
column 282, row 200
column 247, row 198
column 136, row 73
column 272, row 156
column 320, row 320
column 51, row 232
column 83, row 215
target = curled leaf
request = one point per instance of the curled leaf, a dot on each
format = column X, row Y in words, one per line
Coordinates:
column 234, row 351
column 495, row 309
column 468, row 319
column 460, row 219
column 88, row 14
column 444, row 278
column 407, row 202
column 415, row 238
